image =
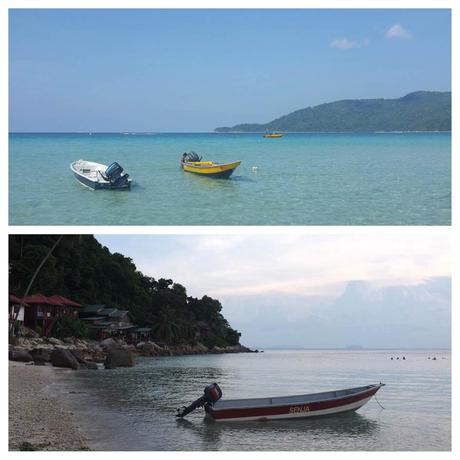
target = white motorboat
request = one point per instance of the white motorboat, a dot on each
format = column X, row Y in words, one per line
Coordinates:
column 98, row 176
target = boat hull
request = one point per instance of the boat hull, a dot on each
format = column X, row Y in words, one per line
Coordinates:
column 222, row 171
column 273, row 136
column 96, row 184
column 294, row 410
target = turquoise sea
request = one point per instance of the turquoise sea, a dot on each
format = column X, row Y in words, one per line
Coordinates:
column 300, row 179
column 134, row 408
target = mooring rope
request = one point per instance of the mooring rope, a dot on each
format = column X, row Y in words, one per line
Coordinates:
column 378, row 402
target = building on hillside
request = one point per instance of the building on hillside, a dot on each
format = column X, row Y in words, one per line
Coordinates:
column 45, row 311
column 104, row 322
column 201, row 329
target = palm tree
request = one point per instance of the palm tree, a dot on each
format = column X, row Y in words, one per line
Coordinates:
column 165, row 324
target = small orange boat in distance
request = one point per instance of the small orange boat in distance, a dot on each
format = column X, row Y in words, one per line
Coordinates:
column 273, row 135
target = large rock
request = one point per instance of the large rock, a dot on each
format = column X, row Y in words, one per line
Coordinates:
column 118, row 357
column 79, row 357
column 19, row 354
column 55, row 341
column 41, row 355
column 64, row 358
column 200, row 348
column 149, row 348
column 217, row 350
column 109, row 343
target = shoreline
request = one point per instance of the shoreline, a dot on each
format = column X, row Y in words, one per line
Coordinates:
column 36, row 419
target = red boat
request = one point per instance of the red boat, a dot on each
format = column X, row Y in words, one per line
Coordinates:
column 282, row 407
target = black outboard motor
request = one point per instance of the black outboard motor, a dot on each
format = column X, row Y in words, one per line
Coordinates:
column 190, row 156
column 212, row 394
column 114, row 174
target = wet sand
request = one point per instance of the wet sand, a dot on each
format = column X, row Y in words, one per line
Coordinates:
column 36, row 416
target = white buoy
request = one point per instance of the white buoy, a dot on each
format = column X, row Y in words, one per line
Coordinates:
column 254, row 169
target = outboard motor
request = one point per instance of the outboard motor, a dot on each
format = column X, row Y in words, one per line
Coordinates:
column 212, row 394
column 190, row 156
column 114, row 174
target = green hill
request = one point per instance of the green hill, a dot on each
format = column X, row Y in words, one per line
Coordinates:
column 419, row 111
column 83, row 270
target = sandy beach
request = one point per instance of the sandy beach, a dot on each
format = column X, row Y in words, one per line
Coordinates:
column 35, row 416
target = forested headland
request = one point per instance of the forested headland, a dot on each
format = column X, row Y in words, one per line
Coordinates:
column 417, row 111
column 81, row 269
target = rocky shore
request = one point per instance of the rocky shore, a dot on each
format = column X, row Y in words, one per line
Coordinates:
column 109, row 353
column 37, row 421
column 40, row 421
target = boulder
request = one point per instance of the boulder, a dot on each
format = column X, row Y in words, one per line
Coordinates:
column 41, row 355
column 109, row 343
column 200, row 348
column 118, row 357
column 20, row 354
column 55, row 341
column 64, row 358
column 148, row 348
column 80, row 358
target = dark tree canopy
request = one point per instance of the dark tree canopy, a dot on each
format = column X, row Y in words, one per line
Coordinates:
column 83, row 270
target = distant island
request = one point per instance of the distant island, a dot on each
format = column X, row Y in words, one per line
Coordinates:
column 417, row 111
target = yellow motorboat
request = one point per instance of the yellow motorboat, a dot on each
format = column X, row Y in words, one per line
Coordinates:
column 191, row 162
column 273, row 135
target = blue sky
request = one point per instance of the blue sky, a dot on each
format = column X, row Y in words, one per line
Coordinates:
column 383, row 291
column 194, row 70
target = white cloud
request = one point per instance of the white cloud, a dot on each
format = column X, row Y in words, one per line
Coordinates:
column 363, row 314
column 398, row 31
column 344, row 44
column 298, row 289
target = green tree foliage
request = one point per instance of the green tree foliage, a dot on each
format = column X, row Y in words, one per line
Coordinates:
column 70, row 327
column 83, row 270
column 418, row 111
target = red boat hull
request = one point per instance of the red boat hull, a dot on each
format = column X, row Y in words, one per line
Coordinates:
column 295, row 410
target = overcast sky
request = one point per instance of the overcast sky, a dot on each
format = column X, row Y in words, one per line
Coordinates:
column 311, row 290
column 194, row 70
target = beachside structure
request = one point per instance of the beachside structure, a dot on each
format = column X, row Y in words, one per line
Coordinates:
column 16, row 311
column 104, row 322
column 44, row 311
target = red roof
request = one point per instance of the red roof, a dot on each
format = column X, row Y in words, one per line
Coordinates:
column 65, row 301
column 17, row 300
column 41, row 300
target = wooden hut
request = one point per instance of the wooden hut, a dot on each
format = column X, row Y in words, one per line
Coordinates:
column 45, row 311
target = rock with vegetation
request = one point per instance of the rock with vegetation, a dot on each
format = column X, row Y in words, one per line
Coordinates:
column 418, row 111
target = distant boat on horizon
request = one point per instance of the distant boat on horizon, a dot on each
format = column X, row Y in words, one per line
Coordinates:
column 273, row 135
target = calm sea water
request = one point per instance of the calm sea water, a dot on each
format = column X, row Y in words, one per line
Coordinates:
column 301, row 179
column 134, row 408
